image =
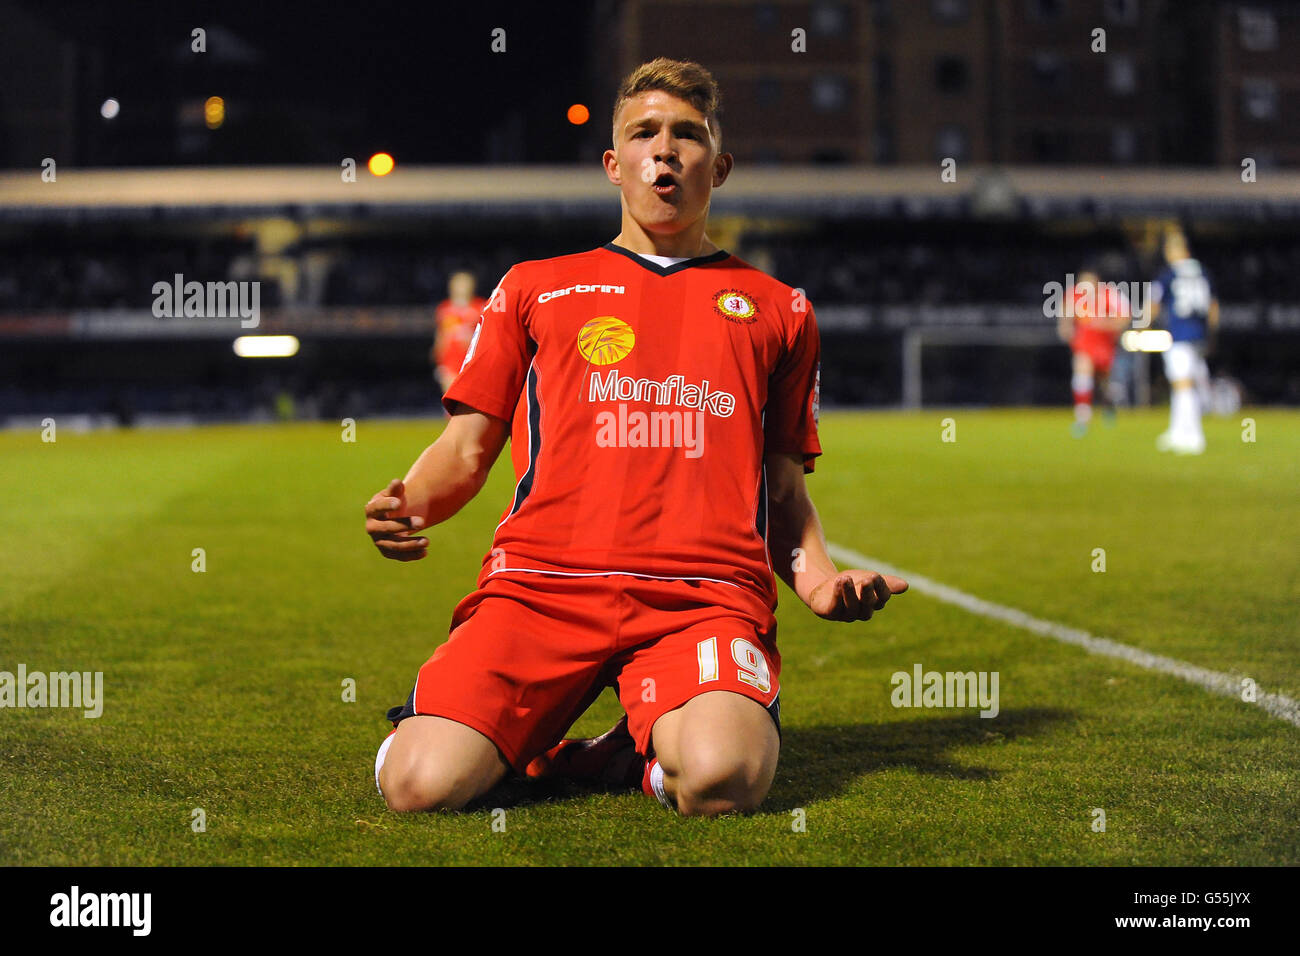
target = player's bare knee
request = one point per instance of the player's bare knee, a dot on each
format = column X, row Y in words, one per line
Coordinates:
column 408, row 796
column 732, row 796
column 405, row 795
column 712, row 783
column 423, row 787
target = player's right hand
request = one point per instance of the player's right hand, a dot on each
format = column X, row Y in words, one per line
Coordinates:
column 390, row 530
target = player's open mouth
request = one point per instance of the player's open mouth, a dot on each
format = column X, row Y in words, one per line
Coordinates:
column 665, row 185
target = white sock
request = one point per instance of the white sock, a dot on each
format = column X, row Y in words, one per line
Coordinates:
column 1081, row 385
column 1184, row 414
column 1202, row 383
column 379, row 759
column 657, row 785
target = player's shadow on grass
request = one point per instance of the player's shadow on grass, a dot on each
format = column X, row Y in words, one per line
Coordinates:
column 514, row 792
column 819, row 762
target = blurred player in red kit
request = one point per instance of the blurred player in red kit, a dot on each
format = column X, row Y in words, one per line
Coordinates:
column 454, row 322
column 664, row 396
column 1101, row 313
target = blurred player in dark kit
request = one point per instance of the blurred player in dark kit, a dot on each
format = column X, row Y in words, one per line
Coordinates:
column 1183, row 302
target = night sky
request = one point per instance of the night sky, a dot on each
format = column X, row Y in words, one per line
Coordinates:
column 328, row 81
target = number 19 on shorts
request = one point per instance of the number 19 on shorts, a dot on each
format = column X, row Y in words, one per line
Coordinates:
column 747, row 657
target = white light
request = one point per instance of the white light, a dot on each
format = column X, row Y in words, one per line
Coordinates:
column 1146, row 340
column 266, row 346
column 110, row 108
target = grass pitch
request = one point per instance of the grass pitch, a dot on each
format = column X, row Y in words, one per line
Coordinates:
column 224, row 689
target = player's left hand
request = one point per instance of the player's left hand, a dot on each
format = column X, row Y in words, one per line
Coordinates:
column 853, row 595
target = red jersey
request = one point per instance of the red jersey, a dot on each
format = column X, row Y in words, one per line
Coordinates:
column 455, row 326
column 646, row 396
column 1091, row 307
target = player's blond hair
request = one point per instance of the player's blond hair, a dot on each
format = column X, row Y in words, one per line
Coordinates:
column 683, row 79
column 1175, row 242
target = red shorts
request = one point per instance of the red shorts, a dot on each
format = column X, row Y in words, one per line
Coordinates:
column 529, row 653
column 1100, row 348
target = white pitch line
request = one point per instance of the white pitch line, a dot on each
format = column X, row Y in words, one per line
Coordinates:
column 1284, row 708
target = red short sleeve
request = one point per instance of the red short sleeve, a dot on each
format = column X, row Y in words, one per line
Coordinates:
column 500, row 351
column 794, row 393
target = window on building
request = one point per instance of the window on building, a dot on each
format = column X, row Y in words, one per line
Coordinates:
column 951, row 74
column 1045, row 11
column 766, row 18
column 1258, row 29
column 1259, row 99
column 1123, row 143
column 882, row 12
column 883, row 147
column 830, row 19
column 768, row 91
column 1122, row 11
column 1121, row 74
column 1265, row 157
column 1048, row 71
column 1049, row 145
column 882, row 74
column 829, row 93
column 951, row 142
column 830, row 156
column 950, row 11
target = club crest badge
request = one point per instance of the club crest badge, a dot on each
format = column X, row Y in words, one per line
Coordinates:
column 734, row 306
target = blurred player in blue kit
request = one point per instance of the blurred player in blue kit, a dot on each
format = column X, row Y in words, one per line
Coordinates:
column 1184, row 303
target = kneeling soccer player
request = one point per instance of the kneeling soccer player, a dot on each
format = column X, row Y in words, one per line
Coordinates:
column 664, row 399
